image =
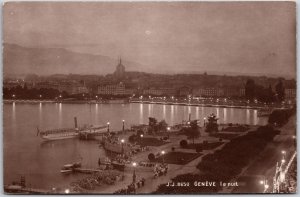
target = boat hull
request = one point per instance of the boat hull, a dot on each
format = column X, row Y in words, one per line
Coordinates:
column 59, row 137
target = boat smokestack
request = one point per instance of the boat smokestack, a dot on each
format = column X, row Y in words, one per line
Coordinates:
column 75, row 122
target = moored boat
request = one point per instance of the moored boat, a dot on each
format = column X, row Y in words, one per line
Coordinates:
column 264, row 112
column 86, row 132
column 69, row 168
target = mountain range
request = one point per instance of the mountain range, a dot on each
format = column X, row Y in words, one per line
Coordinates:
column 18, row 60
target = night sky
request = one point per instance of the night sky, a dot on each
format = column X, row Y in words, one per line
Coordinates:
column 254, row 38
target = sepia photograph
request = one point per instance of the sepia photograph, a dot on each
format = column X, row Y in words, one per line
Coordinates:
column 149, row 97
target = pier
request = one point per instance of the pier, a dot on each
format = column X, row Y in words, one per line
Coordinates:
column 25, row 190
column 87, row 170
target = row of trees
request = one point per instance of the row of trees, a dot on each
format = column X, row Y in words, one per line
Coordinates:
column 26, row 93
column 192, row 131
column 255, row 91
column 155, row 126
column 20, row 92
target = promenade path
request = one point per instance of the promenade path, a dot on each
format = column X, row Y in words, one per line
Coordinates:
column 151, row 184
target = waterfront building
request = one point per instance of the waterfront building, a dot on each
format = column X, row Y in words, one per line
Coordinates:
column 11, row 84
column 46, row 85
column 114, row 89
column 129, row 91
column 160, row 91
column 208, row 92
column 242, row 92
column 290, row 93
column 152, row 91
column 184, row 91
column 65, row 86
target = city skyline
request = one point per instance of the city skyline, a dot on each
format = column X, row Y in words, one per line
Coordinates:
column 245, row 38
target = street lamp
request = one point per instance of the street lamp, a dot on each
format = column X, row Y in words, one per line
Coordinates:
column 283, row 156
column 168, row 128
column 264, row 182
column 134, row 175
column 261, row 182
column 122, row 142
column 266, row 186
column 108, row 127
column 163, row 156
column 123, row 125
column 141, row 139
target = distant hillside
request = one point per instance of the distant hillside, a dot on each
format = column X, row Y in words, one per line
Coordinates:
column 45, row 61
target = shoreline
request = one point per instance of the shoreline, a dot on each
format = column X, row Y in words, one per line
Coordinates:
column 6, row 101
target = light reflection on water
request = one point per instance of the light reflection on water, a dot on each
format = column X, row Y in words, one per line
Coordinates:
column 25, row 153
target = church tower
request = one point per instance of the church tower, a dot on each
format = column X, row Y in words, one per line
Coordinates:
column 120, row 70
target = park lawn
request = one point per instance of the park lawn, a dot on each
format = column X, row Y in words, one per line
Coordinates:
column 151, row 141
column 179, row 158
column 227, row 136
column 235, row 129
column 207, row 146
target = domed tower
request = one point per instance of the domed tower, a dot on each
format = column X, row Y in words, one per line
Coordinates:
column 120, row 70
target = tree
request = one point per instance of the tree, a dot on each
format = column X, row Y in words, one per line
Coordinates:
column 140, row 132
column 152, row 125
column 250, row 89
column 183, row 143
column 151, row 157
column 270, row 95
column 279, row 88
column 162, row 125
column 133, row 138
column 212, row 125
column 193, row 131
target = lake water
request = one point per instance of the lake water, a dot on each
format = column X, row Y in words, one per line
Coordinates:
column 40, row 162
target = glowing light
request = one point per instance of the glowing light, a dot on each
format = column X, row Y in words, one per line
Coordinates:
column 122, row 140
column 67, row 191
column 163, row 152
column 261, row 182
column 134, row 164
